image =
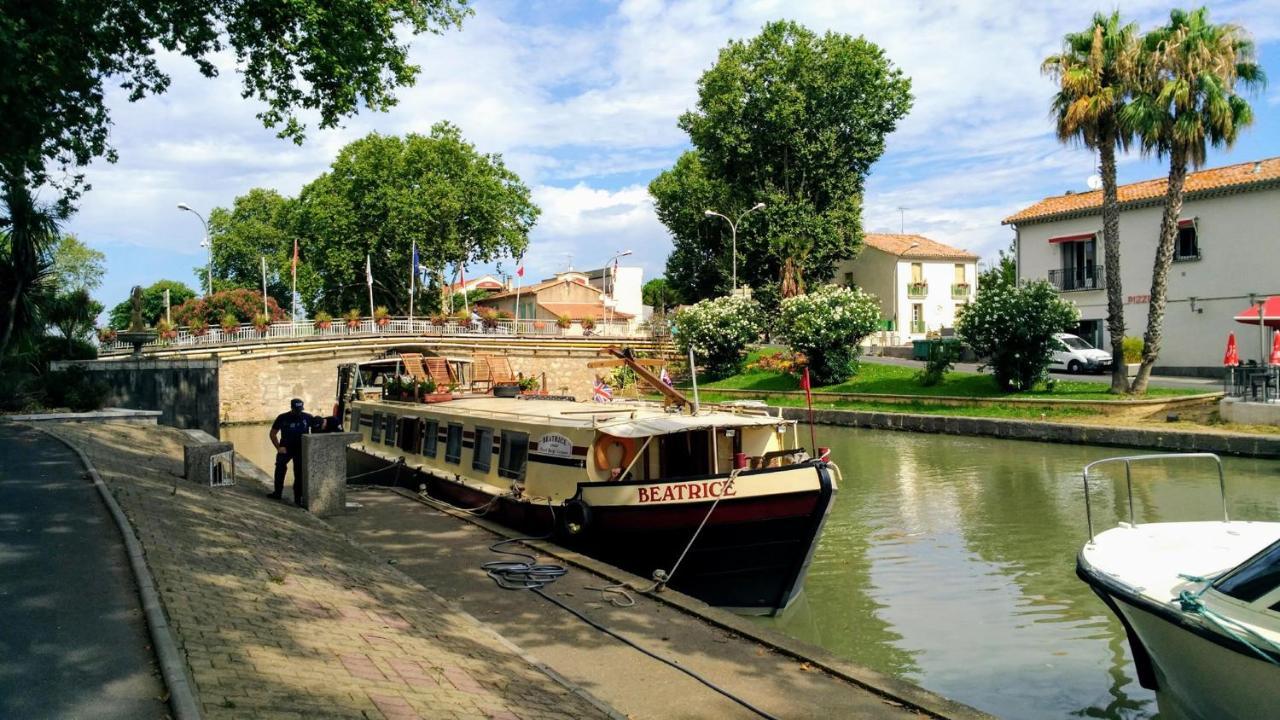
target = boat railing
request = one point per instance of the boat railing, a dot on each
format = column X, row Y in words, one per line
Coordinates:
column 1129, row 460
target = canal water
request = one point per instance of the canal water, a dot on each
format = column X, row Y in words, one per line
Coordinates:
column 950, row 562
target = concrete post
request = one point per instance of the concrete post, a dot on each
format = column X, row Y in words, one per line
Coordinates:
column 322, row 470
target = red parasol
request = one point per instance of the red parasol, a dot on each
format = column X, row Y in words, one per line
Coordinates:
column 1232, row 358
column 1270, row 313
column 1275, row 349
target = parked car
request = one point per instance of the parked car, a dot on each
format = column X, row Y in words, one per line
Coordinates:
column 1076, row 355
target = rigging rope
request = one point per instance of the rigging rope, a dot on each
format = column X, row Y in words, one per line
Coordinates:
column 1191, row 603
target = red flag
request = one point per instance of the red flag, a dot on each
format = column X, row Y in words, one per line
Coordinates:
column 295, row 255
column 520, row 271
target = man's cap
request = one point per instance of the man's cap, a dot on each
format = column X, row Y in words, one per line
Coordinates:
column 295, row 404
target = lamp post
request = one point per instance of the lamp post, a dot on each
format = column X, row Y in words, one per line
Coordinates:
column 733, row 231
column 610, row 281
column 203, row 243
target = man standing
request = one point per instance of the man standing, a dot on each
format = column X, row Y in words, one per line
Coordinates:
column 286, row 436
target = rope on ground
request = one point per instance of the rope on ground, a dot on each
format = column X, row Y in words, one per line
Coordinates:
column 529, row 574
column 1190, row 602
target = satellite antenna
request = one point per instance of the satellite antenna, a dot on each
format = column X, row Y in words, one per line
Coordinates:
column 1094, row 182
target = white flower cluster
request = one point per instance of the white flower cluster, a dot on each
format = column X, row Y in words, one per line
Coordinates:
column 1013, row 327
column 829, row 317
column 718, row 330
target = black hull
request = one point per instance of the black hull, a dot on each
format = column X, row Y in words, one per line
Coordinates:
column 751, row 556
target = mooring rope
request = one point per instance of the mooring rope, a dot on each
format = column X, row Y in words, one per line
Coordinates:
column 1190, row 602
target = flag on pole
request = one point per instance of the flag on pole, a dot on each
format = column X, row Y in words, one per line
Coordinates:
column 413, row 278
column 808, row 400
column 519, row 277
column 602, row 392
column 264, row 288
column 293, row 290
column 520, row 268
column 368, row 279
column 665, row 377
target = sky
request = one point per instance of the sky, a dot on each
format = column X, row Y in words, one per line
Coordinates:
column 581, row 98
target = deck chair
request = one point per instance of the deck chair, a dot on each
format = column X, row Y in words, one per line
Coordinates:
column 439, row 371
column 413, row 366
column 500, row 370
column 481, row 379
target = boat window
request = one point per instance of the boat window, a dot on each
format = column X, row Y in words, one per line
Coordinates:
column 354, row 423
column 453, row 444
column 409, row 429
column 513, row 454
column 482, row 454
column 430, row 437
column 685, row 454
column 1255, row 577
column 375, row 432
column 389, row 429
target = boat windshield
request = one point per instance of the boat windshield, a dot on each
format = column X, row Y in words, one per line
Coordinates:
column 1253, row 578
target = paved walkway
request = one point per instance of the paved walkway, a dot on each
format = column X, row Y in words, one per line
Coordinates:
column 73, row 641
column 281, row 617
column 1157, row 381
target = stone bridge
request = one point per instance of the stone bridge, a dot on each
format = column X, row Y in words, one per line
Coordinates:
column 256, row 380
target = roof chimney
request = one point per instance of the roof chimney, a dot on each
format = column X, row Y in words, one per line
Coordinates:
column 1257, row 167
column 1071, row 192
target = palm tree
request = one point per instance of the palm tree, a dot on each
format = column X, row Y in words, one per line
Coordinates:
column 27, row 234
column 1094, row 72
column 1185, row 100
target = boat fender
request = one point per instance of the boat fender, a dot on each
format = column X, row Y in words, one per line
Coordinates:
column 605, row 442
column 575, row 517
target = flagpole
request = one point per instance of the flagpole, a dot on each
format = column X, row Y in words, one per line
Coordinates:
column 264, row 288
column 462, row 278
column 413, row 274
column 293, row 291
column 519, row 281
column 368, row 279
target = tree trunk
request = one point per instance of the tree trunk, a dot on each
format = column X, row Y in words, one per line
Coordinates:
column 13, row 315
column 1160, row 272
column 791, row 283
column 1111, row 248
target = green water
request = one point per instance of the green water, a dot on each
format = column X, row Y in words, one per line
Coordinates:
column 950, row 562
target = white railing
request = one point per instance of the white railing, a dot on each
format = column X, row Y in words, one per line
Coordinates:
column 396, row 326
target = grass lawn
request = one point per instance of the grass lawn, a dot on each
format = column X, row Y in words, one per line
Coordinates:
column 996, row 411
column 878, row 378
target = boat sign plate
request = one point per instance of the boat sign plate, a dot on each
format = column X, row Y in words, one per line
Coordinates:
column 555, row 444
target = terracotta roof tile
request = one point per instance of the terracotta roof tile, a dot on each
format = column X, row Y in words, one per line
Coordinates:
column 1231, row 176
column 524, row 290
column 578, row 310
column 901, row 246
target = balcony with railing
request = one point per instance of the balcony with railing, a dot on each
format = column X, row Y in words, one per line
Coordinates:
column 1074, row 279
column 917, row 289
column 960, row 291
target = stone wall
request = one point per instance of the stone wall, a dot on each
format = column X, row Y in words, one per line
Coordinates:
column 185, row 391
column 256, row 388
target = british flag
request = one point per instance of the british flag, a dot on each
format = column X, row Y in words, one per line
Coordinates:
column 665, row 377
column 602, row 392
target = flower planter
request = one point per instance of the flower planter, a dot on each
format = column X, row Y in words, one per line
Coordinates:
column 506, row 391
column 323, row 325
column 1131, row 370
column 436, row 397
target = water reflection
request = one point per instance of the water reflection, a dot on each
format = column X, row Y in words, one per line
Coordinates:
column 951, row 562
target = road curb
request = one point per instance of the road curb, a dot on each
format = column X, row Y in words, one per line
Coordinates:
column 889, row 689
column 173, row 666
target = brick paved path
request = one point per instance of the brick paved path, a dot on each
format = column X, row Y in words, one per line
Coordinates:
column 281, row 617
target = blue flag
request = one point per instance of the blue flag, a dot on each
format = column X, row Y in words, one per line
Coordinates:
column 413, row 271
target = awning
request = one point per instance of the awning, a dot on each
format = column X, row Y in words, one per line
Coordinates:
column 1082, row 237
column 1270, row 315
column 667, row 424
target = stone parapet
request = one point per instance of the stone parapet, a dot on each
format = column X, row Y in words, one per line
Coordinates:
column 322, row 470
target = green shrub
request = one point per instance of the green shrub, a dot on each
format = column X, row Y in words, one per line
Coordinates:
column 74, row 388
column 20, row 390
column 718, row 330
column 1012, row 327
column 1132, row 347
column 828, row 325
column 942, row 357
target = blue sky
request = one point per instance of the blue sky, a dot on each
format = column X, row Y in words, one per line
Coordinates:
column 582, row 97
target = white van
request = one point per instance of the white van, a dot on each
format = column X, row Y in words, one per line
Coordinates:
column 1073, row 354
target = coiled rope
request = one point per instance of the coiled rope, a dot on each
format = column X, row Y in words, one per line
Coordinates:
column 1190, row 602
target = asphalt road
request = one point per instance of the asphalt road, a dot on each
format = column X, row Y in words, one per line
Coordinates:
column 73, row 641
column 1160, row 381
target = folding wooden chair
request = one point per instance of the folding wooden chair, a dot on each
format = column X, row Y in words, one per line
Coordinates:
column 439, row 371
column 480, row 375
column 413, row 366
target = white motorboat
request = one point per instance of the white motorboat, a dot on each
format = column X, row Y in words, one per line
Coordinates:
column 1200, row 602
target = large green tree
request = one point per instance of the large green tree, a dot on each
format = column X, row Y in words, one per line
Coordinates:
column 153, row 306
column 77, row 266
column 1095, row 72
column 795, row 120
column 1185, row 101
column 698, row 267
column 28, row 233
column 383, row 193
column 258, row 225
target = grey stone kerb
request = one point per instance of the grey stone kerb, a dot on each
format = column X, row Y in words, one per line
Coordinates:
column 322, row 470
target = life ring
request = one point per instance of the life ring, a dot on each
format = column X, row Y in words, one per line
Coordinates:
column 605, row 442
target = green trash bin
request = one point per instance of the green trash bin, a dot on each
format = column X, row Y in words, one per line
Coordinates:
column 920, row 349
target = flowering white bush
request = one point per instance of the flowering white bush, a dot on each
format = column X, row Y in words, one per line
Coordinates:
column 827, row 325
column 718, row 330
column 1012, row 327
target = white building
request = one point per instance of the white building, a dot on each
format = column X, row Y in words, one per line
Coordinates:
column 621, row 286
column 1227, row 254
column 920, row 282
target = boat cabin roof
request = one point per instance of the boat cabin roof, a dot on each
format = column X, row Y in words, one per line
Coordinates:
column 621, row 419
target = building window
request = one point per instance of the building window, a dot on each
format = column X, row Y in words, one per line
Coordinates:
column 430, row 437
column 482, row 451
column 453, row 444
column 917, row 272
column 354, row 423
column 959, row 274
column 917, row 318
column 1187, row 246
column 513, row 454
column 1080, row 270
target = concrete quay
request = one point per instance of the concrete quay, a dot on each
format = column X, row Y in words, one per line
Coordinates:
column 278, row 615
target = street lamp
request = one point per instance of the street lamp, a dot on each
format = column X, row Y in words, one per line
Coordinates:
column 205, row 243
column 609, row 282
column 733, row 229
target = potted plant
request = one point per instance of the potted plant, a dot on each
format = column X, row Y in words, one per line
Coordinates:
column 587, row 323
column 229, row 323
column 352, row 317
column 261, row 323
column 198, row 327
column 563, row 322
column 539, row 325
column 390, row 387
column 322, row 320
column 488, row 317
column 529, row 386
column 166, row 330
column 1132, row 348
column 439, row 319
column 462, row 318
column 107, row 335
column 381, row 316
column 429, row 392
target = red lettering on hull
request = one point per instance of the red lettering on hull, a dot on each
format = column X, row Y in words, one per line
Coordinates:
column 702, row 490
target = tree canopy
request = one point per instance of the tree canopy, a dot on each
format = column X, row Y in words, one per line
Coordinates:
column 330, row 59
column 794, row 120
column 152, row 303
column 257, row 225
column 383, row 193
column 77, row 266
